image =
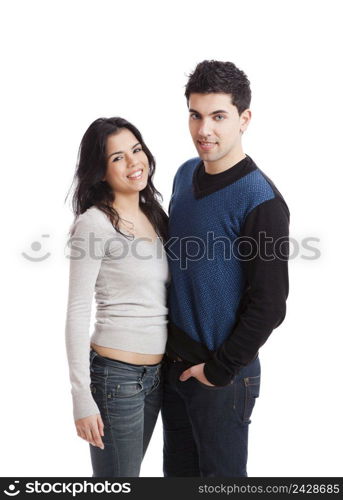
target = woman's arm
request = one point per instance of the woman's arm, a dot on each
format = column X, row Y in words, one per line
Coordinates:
column 87, row 247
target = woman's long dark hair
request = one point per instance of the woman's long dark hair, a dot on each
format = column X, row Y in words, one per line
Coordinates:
column 91, row 168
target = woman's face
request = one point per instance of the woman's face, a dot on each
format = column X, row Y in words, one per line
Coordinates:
column 127, row 164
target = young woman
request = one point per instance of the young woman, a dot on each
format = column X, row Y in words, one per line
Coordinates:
column 116, row 251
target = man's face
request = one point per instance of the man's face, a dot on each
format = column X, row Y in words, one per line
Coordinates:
column 215, row 126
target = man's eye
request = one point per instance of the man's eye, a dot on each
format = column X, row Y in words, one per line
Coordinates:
column 219, row 118
column 194, row 116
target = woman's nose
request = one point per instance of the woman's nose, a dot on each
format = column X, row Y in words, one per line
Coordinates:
column 131, row 160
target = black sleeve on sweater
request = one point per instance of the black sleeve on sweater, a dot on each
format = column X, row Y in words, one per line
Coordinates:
column 263, row 305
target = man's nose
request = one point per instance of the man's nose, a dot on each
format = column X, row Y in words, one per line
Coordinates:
column 204, row 129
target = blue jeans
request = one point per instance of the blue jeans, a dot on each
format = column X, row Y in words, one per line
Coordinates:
column 206, row 428
column 129, row 399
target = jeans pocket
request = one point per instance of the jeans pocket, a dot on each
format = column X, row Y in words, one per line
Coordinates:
column 205, row 386
column 252, row 386
column 96, row 368
column 247, row 390
column 97, row 376
column 97, row 389
column 156, row 383
column 97, row 381
column 127, row 389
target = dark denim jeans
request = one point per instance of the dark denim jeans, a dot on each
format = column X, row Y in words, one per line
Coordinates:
column 206, row 428
column 129, row 399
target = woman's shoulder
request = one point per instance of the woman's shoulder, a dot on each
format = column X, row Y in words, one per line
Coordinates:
column 93, row 219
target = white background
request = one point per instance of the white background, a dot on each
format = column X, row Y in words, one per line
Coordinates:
column 65, row 64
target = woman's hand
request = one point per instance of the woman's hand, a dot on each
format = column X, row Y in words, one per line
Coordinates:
column 91, row 428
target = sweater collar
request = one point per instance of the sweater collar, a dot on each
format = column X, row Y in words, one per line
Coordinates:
column 205, row 184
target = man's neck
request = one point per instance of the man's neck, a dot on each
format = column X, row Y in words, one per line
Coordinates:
column 215, row 167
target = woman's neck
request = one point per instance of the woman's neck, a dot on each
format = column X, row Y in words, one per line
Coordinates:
column 127, row 204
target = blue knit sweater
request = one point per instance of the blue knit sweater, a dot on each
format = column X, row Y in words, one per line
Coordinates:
column 222, row 286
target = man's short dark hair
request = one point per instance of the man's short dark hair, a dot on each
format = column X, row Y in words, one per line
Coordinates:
column 220, row 77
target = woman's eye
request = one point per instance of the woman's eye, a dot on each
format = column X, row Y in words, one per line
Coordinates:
column 137, row 150
column 116, row 158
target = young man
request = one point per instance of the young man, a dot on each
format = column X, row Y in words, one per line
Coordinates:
column 228, row 254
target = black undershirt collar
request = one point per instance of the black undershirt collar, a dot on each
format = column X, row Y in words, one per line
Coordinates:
column 204, row 183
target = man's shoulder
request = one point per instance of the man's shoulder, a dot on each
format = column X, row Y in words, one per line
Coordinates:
column 188, row 165
column 262, row 189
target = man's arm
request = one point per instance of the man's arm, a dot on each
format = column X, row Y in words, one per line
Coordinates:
column 171, row 196
column 263, row 305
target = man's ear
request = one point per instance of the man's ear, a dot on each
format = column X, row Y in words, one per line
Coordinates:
column 245, row 119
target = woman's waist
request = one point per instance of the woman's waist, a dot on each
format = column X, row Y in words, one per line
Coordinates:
column 133, row 311
column 106, row 320
column 127, row 356
column 131, row 336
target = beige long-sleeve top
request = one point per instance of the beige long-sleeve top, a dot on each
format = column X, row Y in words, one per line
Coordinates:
column 129, row 279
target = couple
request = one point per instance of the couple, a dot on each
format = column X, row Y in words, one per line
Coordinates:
column 223, row 259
